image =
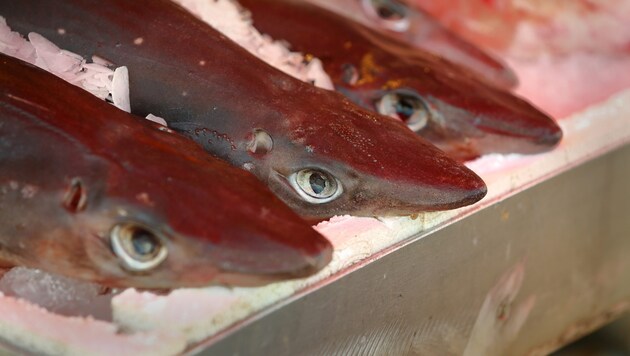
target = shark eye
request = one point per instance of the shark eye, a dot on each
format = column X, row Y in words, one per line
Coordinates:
column 409, row 108
column 392, row 13
column 139, row 248
column 316, row 186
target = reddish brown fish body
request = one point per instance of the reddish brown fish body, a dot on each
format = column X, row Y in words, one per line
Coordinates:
column 215, row 92
column 74, row 167
column 419, row 29
column 467, row 117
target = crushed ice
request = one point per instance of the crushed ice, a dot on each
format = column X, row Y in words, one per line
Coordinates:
column 96, row 77
column 58, row 294
column 227, row 17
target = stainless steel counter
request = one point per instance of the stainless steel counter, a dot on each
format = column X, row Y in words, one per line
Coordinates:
column 523, row 276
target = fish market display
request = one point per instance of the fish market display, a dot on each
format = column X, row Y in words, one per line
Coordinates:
column 418, row 28
column 91, row 192
column 78, row 176
column 320, row 153
column 461, row 115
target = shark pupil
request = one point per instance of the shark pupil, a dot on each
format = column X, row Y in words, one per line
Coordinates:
column 388, row 9
column 144, row 242
column 405, row 108
column 318, row 183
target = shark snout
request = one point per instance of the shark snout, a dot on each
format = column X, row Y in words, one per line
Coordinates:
column 280, row 250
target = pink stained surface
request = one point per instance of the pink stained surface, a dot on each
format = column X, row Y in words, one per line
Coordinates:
column 559, row 26
column 563, row 85
column 77, row 335
column 341, row 229
column 568, row 54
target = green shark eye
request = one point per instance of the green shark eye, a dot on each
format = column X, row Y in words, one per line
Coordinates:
column 409, row 108
column 392, row 13
column 138, row 248
column 316, row 186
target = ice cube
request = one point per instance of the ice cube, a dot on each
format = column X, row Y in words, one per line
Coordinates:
column 57, row 294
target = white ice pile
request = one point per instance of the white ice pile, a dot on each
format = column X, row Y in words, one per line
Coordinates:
column 229, row 18
column 96, row 77
column 57, row 294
